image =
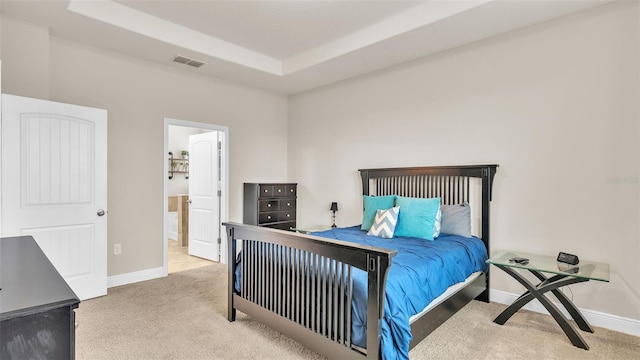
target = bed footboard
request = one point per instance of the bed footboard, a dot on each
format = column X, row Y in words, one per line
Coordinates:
column 302, row 286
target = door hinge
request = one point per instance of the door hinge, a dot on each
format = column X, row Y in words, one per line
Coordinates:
column 219, row 240
column 219, row 145
column 219, row 193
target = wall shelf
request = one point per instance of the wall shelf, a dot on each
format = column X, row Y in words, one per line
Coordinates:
column 178, row 166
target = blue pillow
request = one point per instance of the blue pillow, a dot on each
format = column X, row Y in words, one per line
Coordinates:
column 417, row 217
column 373, row 204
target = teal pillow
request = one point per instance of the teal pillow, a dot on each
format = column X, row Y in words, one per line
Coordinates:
column 373, row 204
column 417, row 217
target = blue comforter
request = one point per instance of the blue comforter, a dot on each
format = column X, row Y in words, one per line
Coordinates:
column 421, row 271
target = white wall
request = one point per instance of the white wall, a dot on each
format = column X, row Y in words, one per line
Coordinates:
column 555, row 105
column 28, row 62
column 138, row 95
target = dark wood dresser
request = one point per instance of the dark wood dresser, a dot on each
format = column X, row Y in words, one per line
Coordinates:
column 270, row 204
column 37, row 317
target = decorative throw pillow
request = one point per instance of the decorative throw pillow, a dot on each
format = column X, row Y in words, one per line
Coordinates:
column 456, row 219
column 385, row 223
column 373, row 204
column 417, row 217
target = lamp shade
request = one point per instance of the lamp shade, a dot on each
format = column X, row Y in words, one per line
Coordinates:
column 334, row 206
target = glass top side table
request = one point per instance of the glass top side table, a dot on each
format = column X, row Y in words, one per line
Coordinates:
column 561, row 275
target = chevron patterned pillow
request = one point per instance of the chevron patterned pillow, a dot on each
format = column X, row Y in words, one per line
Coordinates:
column 384, row 224
column 438, row 224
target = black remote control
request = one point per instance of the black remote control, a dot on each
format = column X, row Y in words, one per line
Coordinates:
column 568, row 258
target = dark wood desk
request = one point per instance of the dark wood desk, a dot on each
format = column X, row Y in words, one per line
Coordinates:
column 37, row 318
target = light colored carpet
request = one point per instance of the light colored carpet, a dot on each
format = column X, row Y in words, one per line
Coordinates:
column 183, row 316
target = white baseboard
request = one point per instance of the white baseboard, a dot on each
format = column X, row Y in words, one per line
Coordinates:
column 134, row 277
column 595, row 318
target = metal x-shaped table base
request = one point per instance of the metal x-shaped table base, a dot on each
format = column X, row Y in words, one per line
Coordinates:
column 537, row 291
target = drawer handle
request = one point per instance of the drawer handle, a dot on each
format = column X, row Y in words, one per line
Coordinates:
column 288, row 204
column 279, row 190
column 288, row 215
column 268, row 205
column 268, row 216
column 291, row 190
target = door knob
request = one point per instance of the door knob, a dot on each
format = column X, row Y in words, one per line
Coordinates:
column 189, row 201
column 101, row 212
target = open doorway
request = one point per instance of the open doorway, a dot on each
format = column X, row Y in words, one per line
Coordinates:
column 195, row 194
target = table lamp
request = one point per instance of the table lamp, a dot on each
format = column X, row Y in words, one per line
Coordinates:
column 333, row 208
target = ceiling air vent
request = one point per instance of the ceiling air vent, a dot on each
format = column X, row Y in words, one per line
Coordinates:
column 187, row 61
column 195, row 63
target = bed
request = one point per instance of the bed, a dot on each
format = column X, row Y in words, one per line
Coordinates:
column 332, row 291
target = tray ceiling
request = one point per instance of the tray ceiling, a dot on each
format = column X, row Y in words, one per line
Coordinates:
column 285, row 46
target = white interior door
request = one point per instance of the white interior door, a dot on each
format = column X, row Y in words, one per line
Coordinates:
column 54, row 186
column 204, row 208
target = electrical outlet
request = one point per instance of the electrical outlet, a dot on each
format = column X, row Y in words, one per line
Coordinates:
column 117, row 249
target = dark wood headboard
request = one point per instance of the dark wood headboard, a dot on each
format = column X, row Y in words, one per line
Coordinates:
column 453, row 184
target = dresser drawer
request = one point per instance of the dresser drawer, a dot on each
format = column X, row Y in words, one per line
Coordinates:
column 268, row 205
column 289, row 204
column 279, row 190
column 290, row 190
column 266, row 191
column 268, row 217
column 287, row 215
